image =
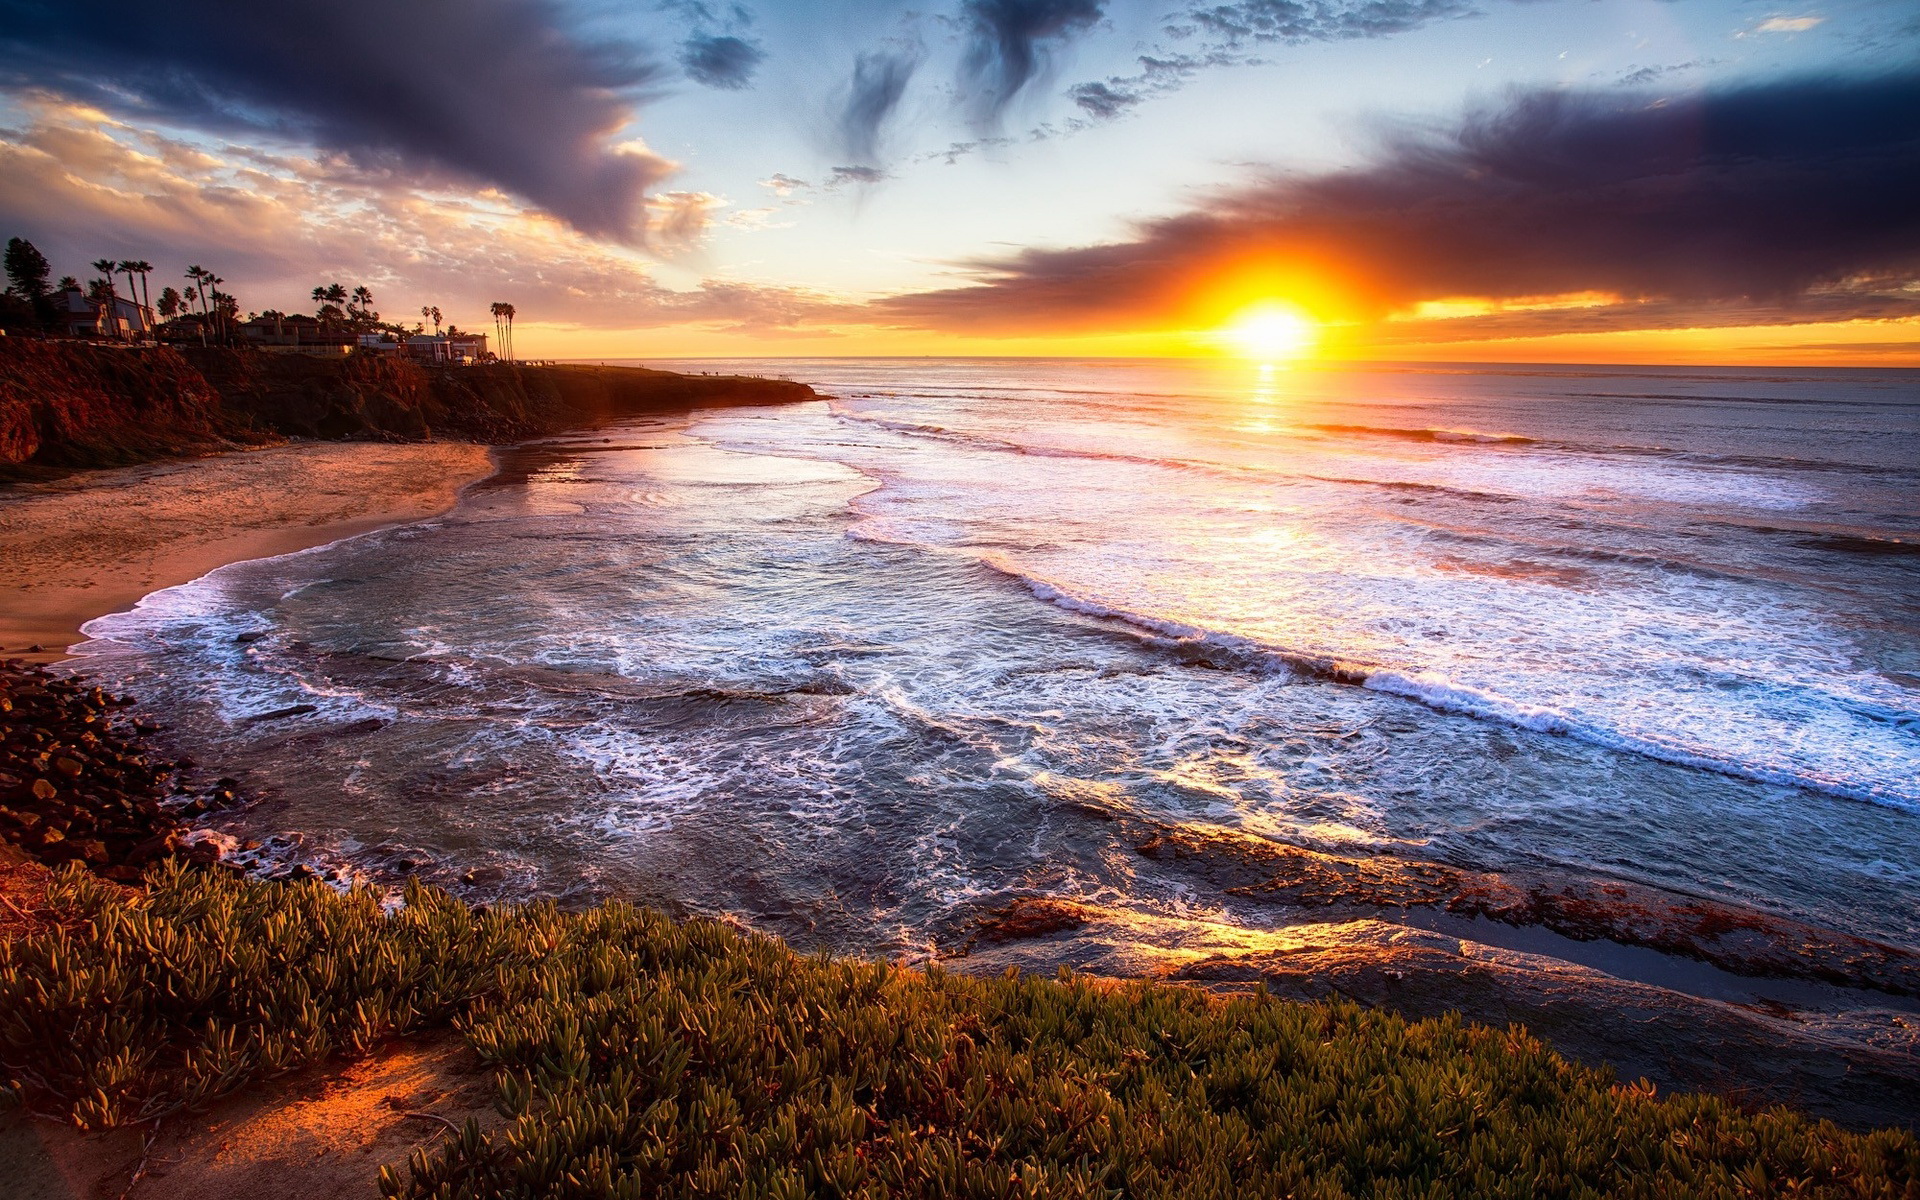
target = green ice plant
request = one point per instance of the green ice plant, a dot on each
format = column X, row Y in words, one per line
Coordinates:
column 637, row 1055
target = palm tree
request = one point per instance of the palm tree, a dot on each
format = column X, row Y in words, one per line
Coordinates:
column 106, row 267
column 214, row 282
column 146, row 271
column 336, row 294
column 509, row 311
column 169, row 303
column 363, row 296
column 198, row 274
column 499, row 312
column 435, row 311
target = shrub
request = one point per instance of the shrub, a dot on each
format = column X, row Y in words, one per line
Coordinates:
column 639, row 1056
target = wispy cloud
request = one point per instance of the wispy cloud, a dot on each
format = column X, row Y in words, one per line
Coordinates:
column 880, row 79
column 1009, row 41
column 1103, row 101
column 855, row 174
column 1200, row 37
column 1294, row 21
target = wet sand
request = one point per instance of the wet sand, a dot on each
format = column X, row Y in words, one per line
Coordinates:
column 96, row 542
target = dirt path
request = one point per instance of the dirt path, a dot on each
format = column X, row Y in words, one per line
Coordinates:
column 317, row 1135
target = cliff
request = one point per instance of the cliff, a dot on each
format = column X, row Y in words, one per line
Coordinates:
column 68, row 404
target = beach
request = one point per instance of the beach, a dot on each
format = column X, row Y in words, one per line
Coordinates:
column 97, row 542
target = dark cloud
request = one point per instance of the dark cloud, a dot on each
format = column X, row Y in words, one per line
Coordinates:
column 1793, row 198
column 720, row 60
column 1227, row 35
column 1102, row 101
column 879, row 80
column 842, row 176
column 1646, row 75
column 500, row 92
column 1007, row 42
column 1322, row 20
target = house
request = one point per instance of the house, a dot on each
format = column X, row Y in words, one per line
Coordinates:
column 296, row 334
column 461, row 348
column 79, row 316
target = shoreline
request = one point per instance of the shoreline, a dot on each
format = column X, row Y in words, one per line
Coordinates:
column 95, row 543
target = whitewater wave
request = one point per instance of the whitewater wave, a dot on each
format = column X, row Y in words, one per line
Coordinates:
column 1438, row 691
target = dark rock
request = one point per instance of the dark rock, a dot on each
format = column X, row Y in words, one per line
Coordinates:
column 73, row 785
column 292, row 710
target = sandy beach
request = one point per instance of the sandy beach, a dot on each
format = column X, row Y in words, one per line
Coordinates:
column 98, row 541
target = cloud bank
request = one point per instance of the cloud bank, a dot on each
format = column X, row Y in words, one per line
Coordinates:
column 1780, row 201
column 501, row 93
column 276, row 224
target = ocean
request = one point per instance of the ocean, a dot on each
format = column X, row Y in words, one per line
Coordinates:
column 857, row 671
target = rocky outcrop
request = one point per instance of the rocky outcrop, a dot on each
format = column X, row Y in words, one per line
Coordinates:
column 78, row 783
column 68, row 404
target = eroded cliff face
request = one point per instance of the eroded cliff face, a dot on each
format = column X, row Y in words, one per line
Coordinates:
column 68, row 404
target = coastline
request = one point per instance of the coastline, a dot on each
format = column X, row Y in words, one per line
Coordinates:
column 109, row 538
column 97, row 542
column 1610, row 977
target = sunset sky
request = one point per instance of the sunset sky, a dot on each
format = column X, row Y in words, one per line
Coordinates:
column 1712, row 181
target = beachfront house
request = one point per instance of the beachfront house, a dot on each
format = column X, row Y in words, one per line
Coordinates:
column 296, row 334
column 456, row 348
column 81, row 316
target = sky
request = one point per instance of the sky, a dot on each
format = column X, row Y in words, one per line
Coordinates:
column 1688, row 181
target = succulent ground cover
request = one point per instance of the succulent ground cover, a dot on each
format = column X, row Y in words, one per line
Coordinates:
column 642, row 1056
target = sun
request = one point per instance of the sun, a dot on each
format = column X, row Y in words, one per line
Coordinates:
column 1273, row 332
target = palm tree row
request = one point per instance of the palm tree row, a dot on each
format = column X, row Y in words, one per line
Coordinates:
column 201, row 302
column 216, row 308
column 503, row 329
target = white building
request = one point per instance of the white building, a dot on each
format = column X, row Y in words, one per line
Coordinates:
column 81, row 317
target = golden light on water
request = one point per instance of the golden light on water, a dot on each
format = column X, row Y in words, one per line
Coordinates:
column 1273, row 333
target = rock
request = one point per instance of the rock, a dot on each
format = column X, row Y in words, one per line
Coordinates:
column 292, row 710
column 72, row 783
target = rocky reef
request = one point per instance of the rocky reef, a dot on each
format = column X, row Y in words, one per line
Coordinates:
column 79, row 784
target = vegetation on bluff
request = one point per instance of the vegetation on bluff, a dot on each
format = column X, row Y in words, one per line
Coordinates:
column 639, row 1056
